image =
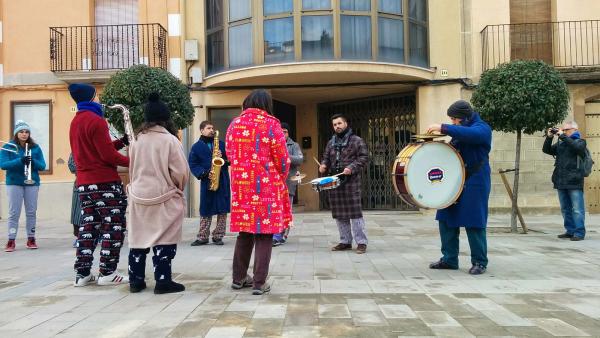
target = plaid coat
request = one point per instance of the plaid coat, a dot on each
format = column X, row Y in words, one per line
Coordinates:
column 345, row 201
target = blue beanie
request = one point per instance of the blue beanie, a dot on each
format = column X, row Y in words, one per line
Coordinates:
column 81, row 92
column 21, row 125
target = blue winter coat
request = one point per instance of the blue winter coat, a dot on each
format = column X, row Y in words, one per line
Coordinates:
column 473, row 140
column 15, row 169
column 200, row 161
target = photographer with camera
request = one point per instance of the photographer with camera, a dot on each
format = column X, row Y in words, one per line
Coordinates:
column 568, row 177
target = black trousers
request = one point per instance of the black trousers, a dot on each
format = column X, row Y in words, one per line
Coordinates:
column 262, row 244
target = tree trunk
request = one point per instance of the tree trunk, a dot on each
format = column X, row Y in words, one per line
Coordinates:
column 515, row 196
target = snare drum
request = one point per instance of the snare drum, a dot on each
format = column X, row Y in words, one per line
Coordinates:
column 428, row 175
column 325, row 183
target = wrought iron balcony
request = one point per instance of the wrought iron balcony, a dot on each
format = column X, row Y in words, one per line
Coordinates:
column 110, row 47
column 565, row 44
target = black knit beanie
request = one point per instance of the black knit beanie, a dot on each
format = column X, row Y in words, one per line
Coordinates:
column 285, row 126
column 460, row 109
column 156, row 110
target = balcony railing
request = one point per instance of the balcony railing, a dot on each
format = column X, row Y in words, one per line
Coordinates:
column 565, row 44
column 111, row 47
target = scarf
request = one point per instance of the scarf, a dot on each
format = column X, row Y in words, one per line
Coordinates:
column 339, row 142
column 92, row 106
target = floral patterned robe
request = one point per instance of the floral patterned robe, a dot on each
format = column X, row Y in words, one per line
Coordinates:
column 256, row 149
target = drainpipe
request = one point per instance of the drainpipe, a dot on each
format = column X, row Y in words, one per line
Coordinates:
column 186, row 137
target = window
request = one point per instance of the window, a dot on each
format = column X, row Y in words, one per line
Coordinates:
column 240, row 45
column 390, row 6
column 417, row 9
column 38, row 116
column 391, row 40
column 417, row 29
column 316, row 4
column 215, row 47
column 355, row 5
column 271, row 7
column 279, row 40
column 239, row 9
column 215, row 58
column 317, row 37
column 356, row 37
column 418, row 45
column 214, row 14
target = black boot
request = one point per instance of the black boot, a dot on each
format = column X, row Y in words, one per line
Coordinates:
column 163, row 254
column 137, row 269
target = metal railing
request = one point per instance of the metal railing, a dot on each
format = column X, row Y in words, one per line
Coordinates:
column 561, row 44
column 89, row 48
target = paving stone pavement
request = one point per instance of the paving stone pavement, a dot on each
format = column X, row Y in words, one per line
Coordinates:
column 536, row 286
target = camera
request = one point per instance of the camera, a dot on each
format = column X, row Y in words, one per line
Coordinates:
column 554, row 130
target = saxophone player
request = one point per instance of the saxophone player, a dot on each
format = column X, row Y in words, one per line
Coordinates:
column 209, row 164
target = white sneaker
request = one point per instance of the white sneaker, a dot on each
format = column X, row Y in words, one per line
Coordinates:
column 81, row 280
column 113, row 279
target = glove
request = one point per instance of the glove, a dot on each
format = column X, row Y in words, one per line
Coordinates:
column 125, row 140
column 26, row 160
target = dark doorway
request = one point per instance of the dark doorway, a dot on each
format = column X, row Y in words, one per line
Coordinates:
column 286, row 113
column 386, row 124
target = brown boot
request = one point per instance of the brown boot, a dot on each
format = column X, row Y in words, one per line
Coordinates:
column 361, row 249
column 342, row 247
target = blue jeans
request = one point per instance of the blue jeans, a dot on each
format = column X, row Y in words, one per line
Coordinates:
column 450, row 245
column 284, row 234
column 572, row 207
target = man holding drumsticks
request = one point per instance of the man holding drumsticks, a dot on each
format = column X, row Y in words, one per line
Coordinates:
column 346, row 154
column 472, row 138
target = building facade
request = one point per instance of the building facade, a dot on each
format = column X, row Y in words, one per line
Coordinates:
column 392, row 66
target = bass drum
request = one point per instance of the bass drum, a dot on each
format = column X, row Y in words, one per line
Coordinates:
column 429, row 175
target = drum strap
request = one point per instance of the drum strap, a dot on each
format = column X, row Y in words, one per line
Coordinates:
column 474, row 170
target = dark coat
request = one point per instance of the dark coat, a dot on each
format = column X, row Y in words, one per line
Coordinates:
column 566, row 174
column 296, row 157
column 345, row 201
column 200, row 161
column 473, row 140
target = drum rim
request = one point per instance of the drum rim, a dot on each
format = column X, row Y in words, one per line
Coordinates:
column 414, row 201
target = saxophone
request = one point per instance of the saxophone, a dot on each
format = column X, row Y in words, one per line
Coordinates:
column 126, row 120
column 217, row 163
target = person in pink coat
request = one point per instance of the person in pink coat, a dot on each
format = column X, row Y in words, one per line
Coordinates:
column 260, row 206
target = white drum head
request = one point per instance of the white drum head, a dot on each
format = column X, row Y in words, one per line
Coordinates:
column 435, row 175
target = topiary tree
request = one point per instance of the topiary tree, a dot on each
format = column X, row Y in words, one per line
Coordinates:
column 131, row 88
column 521, row 97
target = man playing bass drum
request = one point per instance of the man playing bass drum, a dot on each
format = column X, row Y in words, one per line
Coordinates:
column 472, row 137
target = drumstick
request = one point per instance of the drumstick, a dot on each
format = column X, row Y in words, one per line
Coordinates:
column 318, row 163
